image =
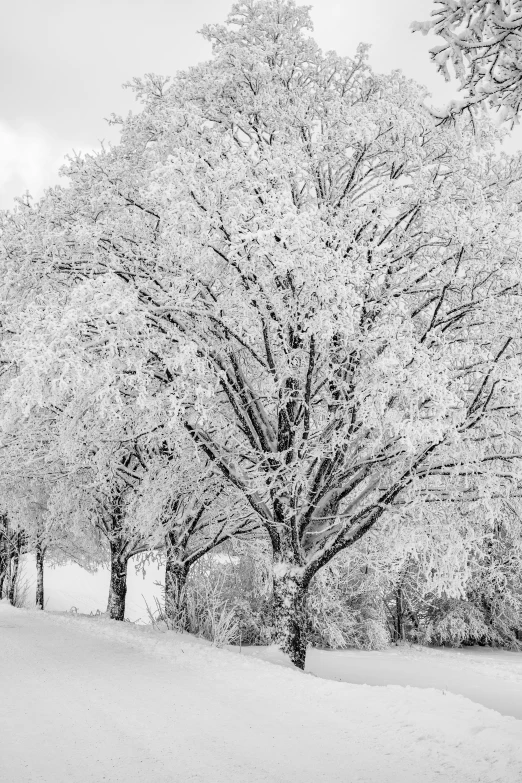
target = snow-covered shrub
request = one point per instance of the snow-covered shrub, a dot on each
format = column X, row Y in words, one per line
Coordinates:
column 209, row 612
column 455, row 623
column 228, row 595
column 21, row 588
column 345, row 608
column 487, row 612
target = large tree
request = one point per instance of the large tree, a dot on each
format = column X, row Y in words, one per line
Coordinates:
column 320, row 285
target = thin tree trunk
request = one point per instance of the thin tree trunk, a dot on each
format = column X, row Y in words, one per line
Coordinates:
column 399, row 626
column 118, row 583
column 40, row 556
column 15, row 564
column 4, row 566
column 289, row 611
column 176, row 573
column 4, row 554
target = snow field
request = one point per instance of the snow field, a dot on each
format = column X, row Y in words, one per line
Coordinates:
column 490, row 677
column 87, row 700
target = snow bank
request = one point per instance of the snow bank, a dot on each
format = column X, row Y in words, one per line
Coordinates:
column 489, row 677
column 86, row 699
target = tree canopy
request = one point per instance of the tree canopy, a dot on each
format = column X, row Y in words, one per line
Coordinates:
column 481, row 42
column 288, row 266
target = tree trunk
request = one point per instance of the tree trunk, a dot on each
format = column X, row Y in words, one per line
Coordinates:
column 4, row 567
column 176, row 573
column 40, row 555
column 399, row 615
column 4, row 554
column 118, row 583
column 13, row 576
column 289, row 611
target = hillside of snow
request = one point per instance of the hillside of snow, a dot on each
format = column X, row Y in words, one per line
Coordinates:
column 86, row 700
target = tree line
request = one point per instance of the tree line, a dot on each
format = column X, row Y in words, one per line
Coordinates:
column 284, row 309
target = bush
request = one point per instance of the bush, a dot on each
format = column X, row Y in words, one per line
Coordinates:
column 228, row 594
column 365, row 598
column 345, row 609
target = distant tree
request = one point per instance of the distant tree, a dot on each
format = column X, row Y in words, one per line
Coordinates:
column 13, row 543
column 114, row 474
column 190, row 510
column 482, row 45
column 4, row 553
column 29, row 507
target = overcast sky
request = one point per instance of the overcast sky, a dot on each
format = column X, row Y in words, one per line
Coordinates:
column 62, row 64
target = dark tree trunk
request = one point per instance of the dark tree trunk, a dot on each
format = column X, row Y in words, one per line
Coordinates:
column 118, row 583
column 399, row 615
column 40, row 556
column 5, row 554
column 176, row 573
column 4, row 567
column 15, row 564
column 289, row 611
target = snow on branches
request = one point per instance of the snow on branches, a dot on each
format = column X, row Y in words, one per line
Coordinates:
column 483, row 44
column 288, row 265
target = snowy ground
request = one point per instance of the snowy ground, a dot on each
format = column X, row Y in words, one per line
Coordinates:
column 68, row 586
column 86, row 700
column 490, row 677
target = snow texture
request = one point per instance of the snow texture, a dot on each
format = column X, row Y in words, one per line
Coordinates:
column 88, row 700
column 490, row 677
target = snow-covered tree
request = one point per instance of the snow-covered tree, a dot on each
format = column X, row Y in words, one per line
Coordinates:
column 189, row 510
column 5, row 553
column 27, row 504
column 89, row 444
column 481, row 42
column 13, row 543
column 309, row 276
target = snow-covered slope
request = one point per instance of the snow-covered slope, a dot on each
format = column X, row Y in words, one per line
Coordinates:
column 87, row 700
column 490, row 677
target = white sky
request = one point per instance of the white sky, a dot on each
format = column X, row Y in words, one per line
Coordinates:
column 62, row 64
